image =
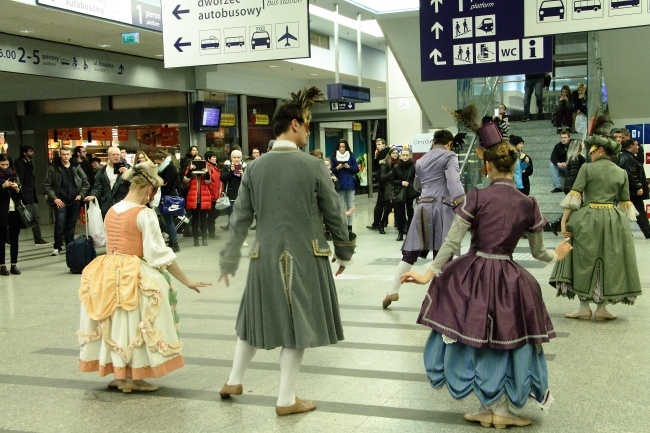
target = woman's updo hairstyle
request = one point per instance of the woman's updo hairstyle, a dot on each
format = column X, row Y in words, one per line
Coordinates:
column 502, row 156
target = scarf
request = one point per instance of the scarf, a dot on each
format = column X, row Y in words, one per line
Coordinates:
column 7, row 174
column 163, row 165
column 343, row 157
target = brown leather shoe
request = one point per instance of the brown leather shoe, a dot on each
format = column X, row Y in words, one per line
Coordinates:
column 389, row 299
column 485, row 418
column 228, row 390
column 501, row 422
column 300, row 406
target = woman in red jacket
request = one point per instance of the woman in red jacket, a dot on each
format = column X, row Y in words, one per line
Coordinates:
column 215, row 191
column 199, row 199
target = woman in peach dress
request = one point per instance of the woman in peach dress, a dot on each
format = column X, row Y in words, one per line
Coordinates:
column 128, row 324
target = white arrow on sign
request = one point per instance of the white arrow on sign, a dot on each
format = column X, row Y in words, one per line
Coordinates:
column 438, row 28
column 437, row 2
column 437, row 55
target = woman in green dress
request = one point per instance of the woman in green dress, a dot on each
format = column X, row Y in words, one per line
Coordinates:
column 602, row 267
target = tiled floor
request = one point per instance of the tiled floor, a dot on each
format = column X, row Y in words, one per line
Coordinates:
column 374, row 381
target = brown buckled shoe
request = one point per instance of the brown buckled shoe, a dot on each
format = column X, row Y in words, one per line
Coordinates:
column 300, row 406
column 228, row 390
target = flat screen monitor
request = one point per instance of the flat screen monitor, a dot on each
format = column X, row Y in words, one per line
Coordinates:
column 207, row 116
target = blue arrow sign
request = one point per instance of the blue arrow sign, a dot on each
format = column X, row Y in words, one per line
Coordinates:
column 177, row 12
column 178, row 44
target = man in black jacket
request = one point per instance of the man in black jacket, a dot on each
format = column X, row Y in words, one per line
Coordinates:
column 65, row 187
column 558, row 160
column 25, row 170
column 380, row 154
column 109, row 187
column 637, row 182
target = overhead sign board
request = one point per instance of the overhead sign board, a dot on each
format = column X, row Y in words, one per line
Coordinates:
column 465, row 39
column 139, row 13
column 549, row 17
column 211, row 32
column 49, row 59
column 341, row 106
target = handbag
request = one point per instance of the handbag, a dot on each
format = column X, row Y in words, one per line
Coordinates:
column 172, row 205
column 223, row 202
column 27, row 215
column 399, row 195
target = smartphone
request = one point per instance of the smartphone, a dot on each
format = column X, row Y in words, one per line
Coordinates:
column 117, row 166
column 496, row 111
column 237, row 167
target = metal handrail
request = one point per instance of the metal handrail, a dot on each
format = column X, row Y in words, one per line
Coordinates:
column 485, row 113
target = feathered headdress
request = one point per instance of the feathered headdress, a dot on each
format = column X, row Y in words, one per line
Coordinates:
column 488, row 133
column 600, row 135
column 306, row 98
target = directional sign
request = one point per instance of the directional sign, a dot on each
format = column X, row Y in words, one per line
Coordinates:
column 467, row 38
column 210, row 32
column 341, row 106
column 139, row 13
column 549, row 17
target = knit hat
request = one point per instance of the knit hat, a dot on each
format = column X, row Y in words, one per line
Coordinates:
column 515, row 140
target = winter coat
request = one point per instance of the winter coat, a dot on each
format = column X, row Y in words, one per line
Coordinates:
column 106, row 195
column 385, row 174
column 635, row 175
column 25, row 172
column 231, row 181
column 345, row 175
column 572, row 169
column 404, row 171
column 170, row 176
column 52, row 182
column 215, row 181
column 198, row 193
column 5, row 195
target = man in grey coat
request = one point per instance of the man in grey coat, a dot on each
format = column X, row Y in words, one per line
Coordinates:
column 290, row 298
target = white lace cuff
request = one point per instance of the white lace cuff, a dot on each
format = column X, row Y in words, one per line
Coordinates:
column 573, row 200
column 431, row 268
column 628, row 209
column 344, row 263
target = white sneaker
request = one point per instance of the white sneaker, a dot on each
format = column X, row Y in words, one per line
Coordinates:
column 56, row 252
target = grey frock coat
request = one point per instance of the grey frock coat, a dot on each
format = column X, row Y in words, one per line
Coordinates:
column 290, row 296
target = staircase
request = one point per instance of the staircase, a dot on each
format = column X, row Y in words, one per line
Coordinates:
column 539, row 139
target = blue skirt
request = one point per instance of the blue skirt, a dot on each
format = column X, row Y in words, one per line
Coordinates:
column 520, row 373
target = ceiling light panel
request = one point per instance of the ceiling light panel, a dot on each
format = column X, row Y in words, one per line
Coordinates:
column 386, row 6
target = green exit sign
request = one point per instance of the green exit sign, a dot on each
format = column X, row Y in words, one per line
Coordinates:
column 130, row 38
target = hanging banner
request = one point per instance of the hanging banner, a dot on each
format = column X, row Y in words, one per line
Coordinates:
column 122, row 134
column 67, row 134
column 169, row 137
column 99, row 134
column 227, row 119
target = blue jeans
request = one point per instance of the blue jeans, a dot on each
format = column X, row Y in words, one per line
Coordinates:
column 171, row 228
column 346, row 198
column 65, row 220
column 558, row 176
column 536, row 84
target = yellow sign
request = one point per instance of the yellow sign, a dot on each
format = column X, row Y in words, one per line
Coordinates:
column 227, row 119
column 259, row 119
column 356, row 126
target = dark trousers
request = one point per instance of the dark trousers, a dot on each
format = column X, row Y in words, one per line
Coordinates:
column 641, row 218
column 564, row 117
column 171, row 228
column 14, row 230
column 65, row 220
column 200, row 223
column 402, row 212
column 533, row 85
column 388, row 208
column 213, row 214
column 379, row 209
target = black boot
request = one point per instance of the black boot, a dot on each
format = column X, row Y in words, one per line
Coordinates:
column 400, row 237
column 381, row 230
column 555, row 225
column 196, row 242
column 175, row 248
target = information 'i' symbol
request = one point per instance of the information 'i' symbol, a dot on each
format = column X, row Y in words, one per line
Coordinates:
column 532, row 49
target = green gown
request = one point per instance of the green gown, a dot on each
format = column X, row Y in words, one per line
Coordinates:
column 602, row 265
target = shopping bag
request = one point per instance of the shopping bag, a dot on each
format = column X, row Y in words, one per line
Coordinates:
column 95, row 223
column 172, row 205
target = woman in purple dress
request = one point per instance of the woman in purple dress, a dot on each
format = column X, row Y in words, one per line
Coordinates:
column 486, row 312
column 437, row 178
